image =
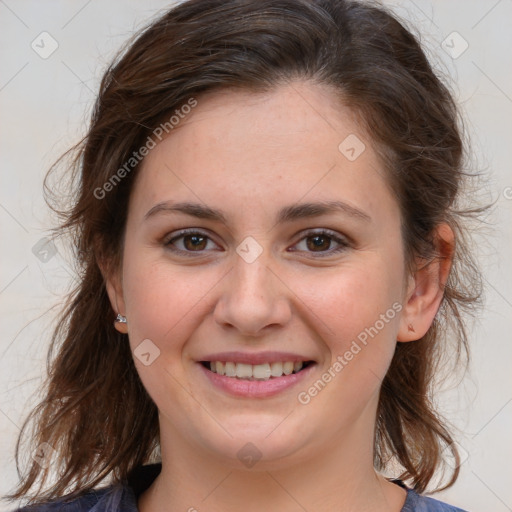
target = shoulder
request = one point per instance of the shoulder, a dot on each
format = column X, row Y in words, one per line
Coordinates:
column 115, row 498
column 120, row 497
column 416, row 503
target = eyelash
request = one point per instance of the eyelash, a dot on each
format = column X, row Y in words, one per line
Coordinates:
column 343, row 243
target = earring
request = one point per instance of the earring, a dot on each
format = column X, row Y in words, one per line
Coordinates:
column 121, row 324
column 120, row 319
column 410, row 328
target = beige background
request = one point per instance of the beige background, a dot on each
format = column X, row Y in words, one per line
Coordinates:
column 44, row 105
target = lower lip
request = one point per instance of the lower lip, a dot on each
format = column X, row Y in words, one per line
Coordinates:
column 255, row 388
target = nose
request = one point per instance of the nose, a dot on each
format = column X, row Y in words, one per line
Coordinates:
column 253, row 298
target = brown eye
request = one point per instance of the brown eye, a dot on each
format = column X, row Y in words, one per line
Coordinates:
column 190, row 241
column 194, row 242
column 318, row 242
column 322, row 243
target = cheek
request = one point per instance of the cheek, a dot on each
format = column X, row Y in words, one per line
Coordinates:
column 162, row 305
column 351, row 298
column 357, row 310
column 163, row 301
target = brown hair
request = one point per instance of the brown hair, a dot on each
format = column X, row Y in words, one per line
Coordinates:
column 96, row 414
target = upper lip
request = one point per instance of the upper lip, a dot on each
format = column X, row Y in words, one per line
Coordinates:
column 255, row 357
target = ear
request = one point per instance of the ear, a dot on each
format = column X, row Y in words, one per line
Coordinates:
column 114, row 286
column 426, row 288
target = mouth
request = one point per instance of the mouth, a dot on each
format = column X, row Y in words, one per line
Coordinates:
column 262, row 380
column 256, row 372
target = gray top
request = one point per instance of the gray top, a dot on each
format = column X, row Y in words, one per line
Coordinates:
column 123, row 497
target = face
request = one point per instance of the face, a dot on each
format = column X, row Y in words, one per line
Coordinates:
column 257, row 280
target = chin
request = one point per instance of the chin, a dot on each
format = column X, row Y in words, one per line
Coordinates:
column 260, row 449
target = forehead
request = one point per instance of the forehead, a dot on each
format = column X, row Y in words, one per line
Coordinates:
column 242, row 149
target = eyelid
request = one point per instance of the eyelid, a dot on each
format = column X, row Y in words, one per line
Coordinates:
column 343, row 241
column 168, row 239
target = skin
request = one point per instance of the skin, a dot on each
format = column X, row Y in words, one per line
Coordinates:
column 249, row 155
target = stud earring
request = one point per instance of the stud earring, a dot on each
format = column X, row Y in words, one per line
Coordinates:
column 410, row 328
column 120, row 319
column 121, row 324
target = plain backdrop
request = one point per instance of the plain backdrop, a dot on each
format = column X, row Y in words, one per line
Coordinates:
column 52, row 55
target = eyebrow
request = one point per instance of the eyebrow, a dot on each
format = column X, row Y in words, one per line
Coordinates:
column 287, row 214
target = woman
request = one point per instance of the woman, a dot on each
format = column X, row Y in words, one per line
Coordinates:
column 266, row 210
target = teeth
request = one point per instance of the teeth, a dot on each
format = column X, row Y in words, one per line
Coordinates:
column 230, row 369
column 257, row 371
column 287, row 367
column 243, row 371
column 261, row 371
column 276, row 369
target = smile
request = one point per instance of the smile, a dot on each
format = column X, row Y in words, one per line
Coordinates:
column 264, row 371
column 261, row 380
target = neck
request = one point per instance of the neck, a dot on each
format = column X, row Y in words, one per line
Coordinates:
column 339, row 478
